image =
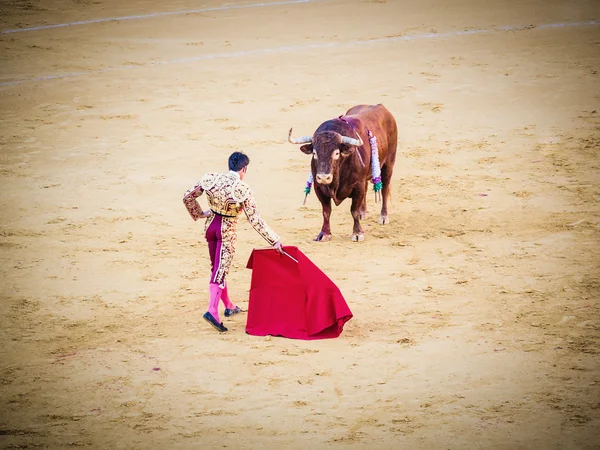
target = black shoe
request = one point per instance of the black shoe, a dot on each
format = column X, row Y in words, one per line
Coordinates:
column 231, row 312
column 210, row 319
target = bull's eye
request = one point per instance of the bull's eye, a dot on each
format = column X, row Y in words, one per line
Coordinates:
column 336, row 154
column 315, row 154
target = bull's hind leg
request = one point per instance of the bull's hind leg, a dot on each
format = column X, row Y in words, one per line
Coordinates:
column 386, row 179
column 356, row 209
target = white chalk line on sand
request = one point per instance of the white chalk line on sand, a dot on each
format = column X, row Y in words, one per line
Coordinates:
column 296, row 48
column 158, row 14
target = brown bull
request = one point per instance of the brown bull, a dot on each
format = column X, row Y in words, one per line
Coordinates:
column 341, row 163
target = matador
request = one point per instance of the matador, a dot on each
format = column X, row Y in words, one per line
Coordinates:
column 228, row 196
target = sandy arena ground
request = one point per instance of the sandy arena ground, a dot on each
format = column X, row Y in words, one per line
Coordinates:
column 476, row 310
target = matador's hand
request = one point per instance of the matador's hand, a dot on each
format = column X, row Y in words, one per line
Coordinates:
column 278, row 246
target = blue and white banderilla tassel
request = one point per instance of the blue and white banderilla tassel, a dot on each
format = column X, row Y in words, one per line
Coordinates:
column 375, row 166
column 309, row 183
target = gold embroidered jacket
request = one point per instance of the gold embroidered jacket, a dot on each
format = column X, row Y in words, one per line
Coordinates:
column 228, row 196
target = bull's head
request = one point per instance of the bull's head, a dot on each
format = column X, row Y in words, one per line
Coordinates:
column 327, row 147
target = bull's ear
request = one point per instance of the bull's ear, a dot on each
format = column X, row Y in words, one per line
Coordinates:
column 347, row 150
column 307, row 148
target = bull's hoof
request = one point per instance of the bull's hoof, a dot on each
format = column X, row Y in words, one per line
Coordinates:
column 323, row 237
column 384, row 220
column 358, row 237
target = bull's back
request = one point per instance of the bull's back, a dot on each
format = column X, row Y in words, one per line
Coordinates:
column 375, row 115
column 380, row 121
column 372, row 112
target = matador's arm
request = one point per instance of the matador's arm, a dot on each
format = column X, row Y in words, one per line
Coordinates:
column 190, row 202
column 257, row 222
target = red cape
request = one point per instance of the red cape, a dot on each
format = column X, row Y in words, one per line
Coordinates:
column 293, row 300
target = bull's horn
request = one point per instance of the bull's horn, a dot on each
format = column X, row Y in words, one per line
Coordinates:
column 302, row 140
column 358, row 142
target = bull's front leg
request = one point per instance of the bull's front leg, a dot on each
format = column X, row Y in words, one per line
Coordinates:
column 363, row 208
column 325, row 234
column 358, row 202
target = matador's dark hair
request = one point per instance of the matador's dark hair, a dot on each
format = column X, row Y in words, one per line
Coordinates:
column 237, row 161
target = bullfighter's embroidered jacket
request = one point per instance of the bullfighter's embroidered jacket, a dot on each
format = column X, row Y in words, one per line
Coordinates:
column 228, row 196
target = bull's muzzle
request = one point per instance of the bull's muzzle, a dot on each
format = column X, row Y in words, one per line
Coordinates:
column 324, row 178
